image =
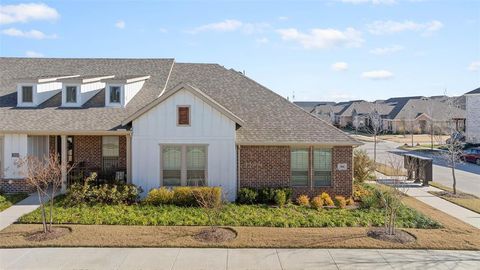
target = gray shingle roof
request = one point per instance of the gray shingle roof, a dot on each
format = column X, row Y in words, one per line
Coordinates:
column 476, row 91
column 268, row 117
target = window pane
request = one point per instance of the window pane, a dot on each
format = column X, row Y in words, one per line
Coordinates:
column 114, row 94
column 110, row 146
column 172, row 164
column 196, row 165
column 299, row 167
column 322, row 167
column 27, row 94
column 71, row 94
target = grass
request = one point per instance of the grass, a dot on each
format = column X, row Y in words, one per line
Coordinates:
column 419, row 147
column 7, row 200
column 465, row 200
column 453, row 235
column 388, row 170
column 291, row 216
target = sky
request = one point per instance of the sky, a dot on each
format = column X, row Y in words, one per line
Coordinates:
column 332, row 50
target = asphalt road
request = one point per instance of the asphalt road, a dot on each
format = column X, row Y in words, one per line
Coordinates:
column 467, row 174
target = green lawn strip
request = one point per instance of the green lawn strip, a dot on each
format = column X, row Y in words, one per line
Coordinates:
column 465, row 200
column 232, row 215
column 7, row 200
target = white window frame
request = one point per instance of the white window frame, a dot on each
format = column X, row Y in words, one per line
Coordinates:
column 183, row 167
column 20, row 102
column 107, row 95
column 64, row 95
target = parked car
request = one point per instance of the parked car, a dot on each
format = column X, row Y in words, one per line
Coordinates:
column 472, row 155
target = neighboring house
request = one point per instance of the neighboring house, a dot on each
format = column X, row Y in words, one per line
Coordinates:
column 473, row 116
column 156, row 122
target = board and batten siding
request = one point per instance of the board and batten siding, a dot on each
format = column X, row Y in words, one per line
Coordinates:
column 473, row 118
column 14, row 148
column 207, row 126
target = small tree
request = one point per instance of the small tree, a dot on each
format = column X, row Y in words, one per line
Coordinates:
column 363, row 166
column 375, row 127
column 210, row 199
column 45, row 174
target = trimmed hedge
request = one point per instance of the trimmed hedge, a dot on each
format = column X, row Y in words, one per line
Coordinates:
column 182, row 196
column 262, row 195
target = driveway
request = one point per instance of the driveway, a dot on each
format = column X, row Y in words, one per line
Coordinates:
column 468, row 174
column 213, row 259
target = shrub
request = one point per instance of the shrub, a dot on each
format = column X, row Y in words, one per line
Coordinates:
column 280, row 197
column 183, row 196
column 326, row 199
column 303, row 200
column 340, row 202
column 88, row 193
column 373, row 200
column 350, row 201
column 317, row 202
column 360, row 191
column 159, row 196
column 363, row 166
column 247, row 196
column 266, row 195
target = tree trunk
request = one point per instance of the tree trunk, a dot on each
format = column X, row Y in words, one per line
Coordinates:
column 431, row 135
column 454, row 179
column 42, row 208
column 375, row 150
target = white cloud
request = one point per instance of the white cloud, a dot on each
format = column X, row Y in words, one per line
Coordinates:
column 282, row 18
column 35, row 34
column 224, row 26
column 386, row 50
column 340, row 66
column 390, row 27
column 120, row 24
column 263, row 40
column 377, row 75
column 374, row 2
column 319, row 38
column 22, row 13
column 33, row 54
column 474, row 66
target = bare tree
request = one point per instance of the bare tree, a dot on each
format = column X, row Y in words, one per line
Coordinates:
column 45, row 174
column 210, row 199
column 431, row 112
column 375, row 127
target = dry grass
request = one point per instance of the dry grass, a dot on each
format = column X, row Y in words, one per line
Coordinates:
column 454, row 235
column 417, row 138
column 388, row 170
column 465, row 200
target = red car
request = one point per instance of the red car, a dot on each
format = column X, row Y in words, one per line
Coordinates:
column 472, row 155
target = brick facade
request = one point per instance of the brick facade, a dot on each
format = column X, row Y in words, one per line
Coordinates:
column 88, row 151
column 269, row 166
column 15, row 186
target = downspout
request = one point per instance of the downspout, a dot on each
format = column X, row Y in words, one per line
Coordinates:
column 238, row 169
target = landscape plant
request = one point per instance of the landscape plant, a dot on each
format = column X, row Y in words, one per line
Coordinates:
column 340, row 202
column 327, row 200
column 363, row 166
column 303, row 200
column 317, row 202
column 280, row 197
column 208, row 199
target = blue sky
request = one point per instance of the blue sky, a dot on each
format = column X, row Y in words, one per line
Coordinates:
column 317, row 50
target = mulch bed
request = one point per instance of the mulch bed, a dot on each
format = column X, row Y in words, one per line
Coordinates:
column 216, row 235
column 54, row 233
column 459, row 195
column 400, row 236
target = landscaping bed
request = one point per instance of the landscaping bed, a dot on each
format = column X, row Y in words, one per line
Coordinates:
column 7, row 200
column 462, row 199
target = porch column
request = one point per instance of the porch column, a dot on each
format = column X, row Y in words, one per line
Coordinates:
column 64, row 163
column 129, row 159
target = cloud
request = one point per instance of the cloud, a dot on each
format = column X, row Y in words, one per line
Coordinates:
column 231, row 26
column 390, row 27
column 474, row 66
column 340, row 66
column 263, row 40
column 163, row 30
column 120, row 24
column 282, row 18
column 33, row 54
column 319, row 38
column 35, row 34
column 374, row 2
column 22, row 13
column 377, row 75
column 386, row 50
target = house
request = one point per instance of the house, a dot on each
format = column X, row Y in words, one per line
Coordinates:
column 473, row 116
column 157, row 122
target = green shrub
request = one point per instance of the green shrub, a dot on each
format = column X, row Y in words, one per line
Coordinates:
column 183, row 196
column 280, row 197
column 303, row 200
column 373, row 200
column 317, row 202
column 266, row 195
column 340, row 202
column 159, row 196
column 247, row 196
column 363, row 166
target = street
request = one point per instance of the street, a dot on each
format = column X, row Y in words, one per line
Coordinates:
column 467, row 174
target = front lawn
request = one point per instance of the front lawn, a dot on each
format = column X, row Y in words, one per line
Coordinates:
column 462, row 199
column 232, row 215
column 7, row 200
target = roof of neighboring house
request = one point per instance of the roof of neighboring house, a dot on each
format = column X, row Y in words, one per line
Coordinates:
column 309, row 106
column 437, row 110
column 476, row 91
column 365, row 107
column 267, row 117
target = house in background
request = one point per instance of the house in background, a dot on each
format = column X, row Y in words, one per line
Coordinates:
column 473, row 116
column 157, row 122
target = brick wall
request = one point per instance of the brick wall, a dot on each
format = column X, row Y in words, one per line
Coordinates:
column 88, row 149
column 15, row 186
column 269, row 166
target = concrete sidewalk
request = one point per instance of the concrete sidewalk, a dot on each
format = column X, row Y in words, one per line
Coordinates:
column 14, row 212
column 212, row 259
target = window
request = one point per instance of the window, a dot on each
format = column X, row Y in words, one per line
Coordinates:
column 110, row 152
column 71, row 92
column 184, row 165
column 115, row 92
column 27, row 94
column 322, row 167
column 183, row 116
column 299, row 167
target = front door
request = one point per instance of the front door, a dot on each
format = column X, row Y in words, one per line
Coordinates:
column 70, row 148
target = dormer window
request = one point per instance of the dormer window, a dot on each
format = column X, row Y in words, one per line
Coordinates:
column 115, row 94
column 71, row 92
column 27, row 94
